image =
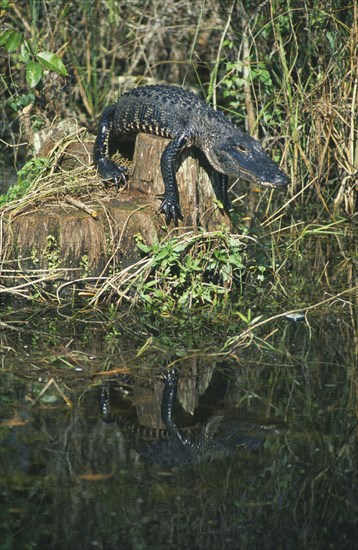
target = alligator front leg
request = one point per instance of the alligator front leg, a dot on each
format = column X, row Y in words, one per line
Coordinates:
column 220, row 185
column 105, row 404
column 170, row 205
column 107, row 169
column 168, row 399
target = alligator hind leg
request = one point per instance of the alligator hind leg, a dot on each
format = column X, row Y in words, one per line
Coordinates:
column 107, row 169
column 170, row 205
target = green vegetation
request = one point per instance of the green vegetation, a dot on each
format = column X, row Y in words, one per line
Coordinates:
column 287, row 73
column 24, row 52
column 289, row 70
column 200, row 270
column 26, row 177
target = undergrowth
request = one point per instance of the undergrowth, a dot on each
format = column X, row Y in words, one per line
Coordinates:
column 185, row 273
column 25, row 179
column 285, row 73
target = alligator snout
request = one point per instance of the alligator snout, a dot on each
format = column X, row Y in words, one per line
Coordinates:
column 273, row 176
column 280, row 179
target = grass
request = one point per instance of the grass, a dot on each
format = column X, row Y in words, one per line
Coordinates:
column 289, row 72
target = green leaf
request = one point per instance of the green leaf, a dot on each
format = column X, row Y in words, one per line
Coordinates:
column 21, row 101
column 12, row 41
column 49, row 398
column 52, row 62
column 244, row 318
column 163, row 253
column 24, row 52
column 143, row 247
column 33, row 73
column 4, row 36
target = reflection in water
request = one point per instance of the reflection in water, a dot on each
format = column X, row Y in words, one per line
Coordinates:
column 85, row 482
column 209, row 437
column 71, row 480
column 259, row 451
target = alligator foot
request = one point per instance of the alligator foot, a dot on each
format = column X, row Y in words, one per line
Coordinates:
column 170, row 377
column 171, row 210
column 109, row 170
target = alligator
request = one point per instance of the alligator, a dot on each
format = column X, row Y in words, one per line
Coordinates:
column 218, row 436
column 186, row 119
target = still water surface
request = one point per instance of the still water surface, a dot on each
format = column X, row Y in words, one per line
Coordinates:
column 121, row 436
column 178, row 449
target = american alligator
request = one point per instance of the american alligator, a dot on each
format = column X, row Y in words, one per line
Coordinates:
column 186, row 119
column 220, row 435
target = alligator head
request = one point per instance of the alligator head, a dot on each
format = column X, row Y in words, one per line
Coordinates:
column 241, row 156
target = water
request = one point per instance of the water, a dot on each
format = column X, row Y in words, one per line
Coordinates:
column 117, row 435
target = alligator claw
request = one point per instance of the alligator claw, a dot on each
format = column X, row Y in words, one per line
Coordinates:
column 170, row 376
column 171, row 210
column 109, row 170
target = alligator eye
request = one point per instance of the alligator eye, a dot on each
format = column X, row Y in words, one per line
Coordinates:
column 241, row 148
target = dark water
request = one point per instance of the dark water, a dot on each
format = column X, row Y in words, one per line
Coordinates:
column 178, row 445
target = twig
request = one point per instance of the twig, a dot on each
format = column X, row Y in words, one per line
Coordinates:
column 82, row 206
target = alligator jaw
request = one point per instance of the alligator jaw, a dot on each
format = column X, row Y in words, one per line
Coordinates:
column 278, row 179
column 271, row 185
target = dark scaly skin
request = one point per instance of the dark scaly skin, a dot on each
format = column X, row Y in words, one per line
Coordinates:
column 108, row 169
column 183, row 117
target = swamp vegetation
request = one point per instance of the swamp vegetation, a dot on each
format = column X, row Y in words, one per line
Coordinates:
column 258, row 320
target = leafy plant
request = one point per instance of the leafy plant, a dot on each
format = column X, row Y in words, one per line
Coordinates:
column 200, row 270
column 25, row 52
column 35, row 62
column 25, row 178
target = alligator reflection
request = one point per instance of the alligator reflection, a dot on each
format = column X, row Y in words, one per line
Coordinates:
column 171, row 441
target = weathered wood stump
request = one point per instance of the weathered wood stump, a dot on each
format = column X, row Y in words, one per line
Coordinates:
column 197, row 197
column 58, row 235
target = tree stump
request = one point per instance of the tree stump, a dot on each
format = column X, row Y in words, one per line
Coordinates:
column 60, row 236
column 196, row 193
